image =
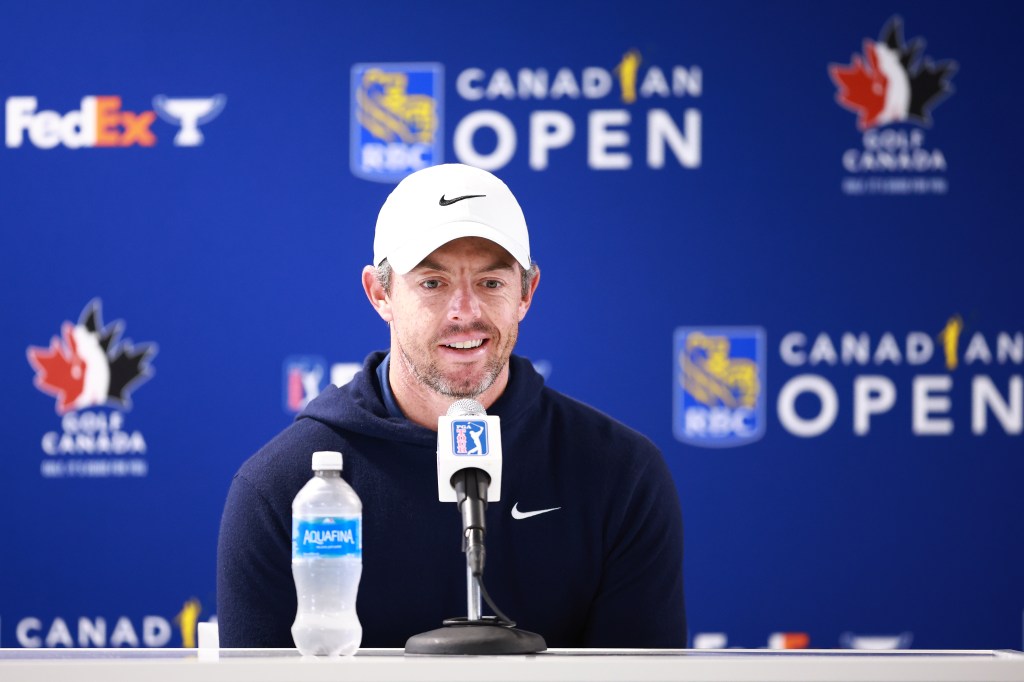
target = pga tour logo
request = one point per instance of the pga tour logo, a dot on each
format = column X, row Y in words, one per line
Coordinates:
column 305, row 376
column 469, row 437
column 719, row 394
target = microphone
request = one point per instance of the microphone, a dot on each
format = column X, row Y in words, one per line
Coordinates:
column 469, row 471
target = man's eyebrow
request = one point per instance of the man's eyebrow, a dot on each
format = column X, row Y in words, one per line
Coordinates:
column 500, row 264
column 427, row 264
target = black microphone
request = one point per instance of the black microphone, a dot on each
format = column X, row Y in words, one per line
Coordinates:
column 469, row 470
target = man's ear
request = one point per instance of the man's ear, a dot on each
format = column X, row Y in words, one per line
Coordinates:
column 380, row 301
column 524, row 303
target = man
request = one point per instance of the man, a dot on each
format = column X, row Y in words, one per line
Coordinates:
column 585, row 546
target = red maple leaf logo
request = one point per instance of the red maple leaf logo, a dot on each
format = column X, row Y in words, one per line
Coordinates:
column 92, row 365
column 60, row 372
column 892, row 68
column 861, row 86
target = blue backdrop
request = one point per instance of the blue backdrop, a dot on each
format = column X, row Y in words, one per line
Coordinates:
column 781, row 239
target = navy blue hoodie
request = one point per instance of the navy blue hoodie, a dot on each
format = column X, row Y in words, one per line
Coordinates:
column 602, row 570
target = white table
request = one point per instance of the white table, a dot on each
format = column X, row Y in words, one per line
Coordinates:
column 582, row 665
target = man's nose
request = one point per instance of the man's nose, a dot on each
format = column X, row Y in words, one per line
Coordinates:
column 464, row 304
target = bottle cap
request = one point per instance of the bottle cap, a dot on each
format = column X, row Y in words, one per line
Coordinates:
column 325, row 460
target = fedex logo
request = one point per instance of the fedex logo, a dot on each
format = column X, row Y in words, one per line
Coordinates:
column 469, row 437
column 99, row 123
column 102, row 122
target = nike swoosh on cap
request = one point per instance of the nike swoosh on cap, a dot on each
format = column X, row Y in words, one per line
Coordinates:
column 449, row 202
column 516, row 514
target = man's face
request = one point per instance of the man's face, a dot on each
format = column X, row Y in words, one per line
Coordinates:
column 455, row 316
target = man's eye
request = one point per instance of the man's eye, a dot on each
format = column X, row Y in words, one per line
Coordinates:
column 431, row 284
column 492, row 284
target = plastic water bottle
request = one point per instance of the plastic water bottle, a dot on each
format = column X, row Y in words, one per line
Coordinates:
column 327, row 561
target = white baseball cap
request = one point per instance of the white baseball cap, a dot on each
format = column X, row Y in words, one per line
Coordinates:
column 435, row 205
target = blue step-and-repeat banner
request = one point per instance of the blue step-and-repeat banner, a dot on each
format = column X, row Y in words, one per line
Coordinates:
column 782, row 239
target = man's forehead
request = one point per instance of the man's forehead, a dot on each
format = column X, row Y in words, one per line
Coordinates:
column 491, row 256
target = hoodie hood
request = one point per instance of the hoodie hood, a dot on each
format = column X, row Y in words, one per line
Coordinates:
column 358, row 406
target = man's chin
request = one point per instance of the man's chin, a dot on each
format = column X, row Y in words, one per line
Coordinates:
column 459, row 390
column 458, row 386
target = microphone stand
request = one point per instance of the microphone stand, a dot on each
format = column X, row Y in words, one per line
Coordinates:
column 474, row 634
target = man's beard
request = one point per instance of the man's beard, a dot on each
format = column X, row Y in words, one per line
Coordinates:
column 433, row 378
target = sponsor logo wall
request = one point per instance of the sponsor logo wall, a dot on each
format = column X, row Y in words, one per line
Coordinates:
column 783, row 244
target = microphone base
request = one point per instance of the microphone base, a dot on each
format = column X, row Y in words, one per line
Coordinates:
column 475, row 638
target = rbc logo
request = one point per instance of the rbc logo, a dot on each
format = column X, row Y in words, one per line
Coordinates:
column 396, row 119
column 469, row 437
column 719, row 386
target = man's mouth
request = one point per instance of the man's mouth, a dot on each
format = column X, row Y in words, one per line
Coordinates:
column 466, row 345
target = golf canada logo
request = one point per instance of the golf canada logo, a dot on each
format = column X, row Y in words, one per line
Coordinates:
column 893, row 88
column 89, row 367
